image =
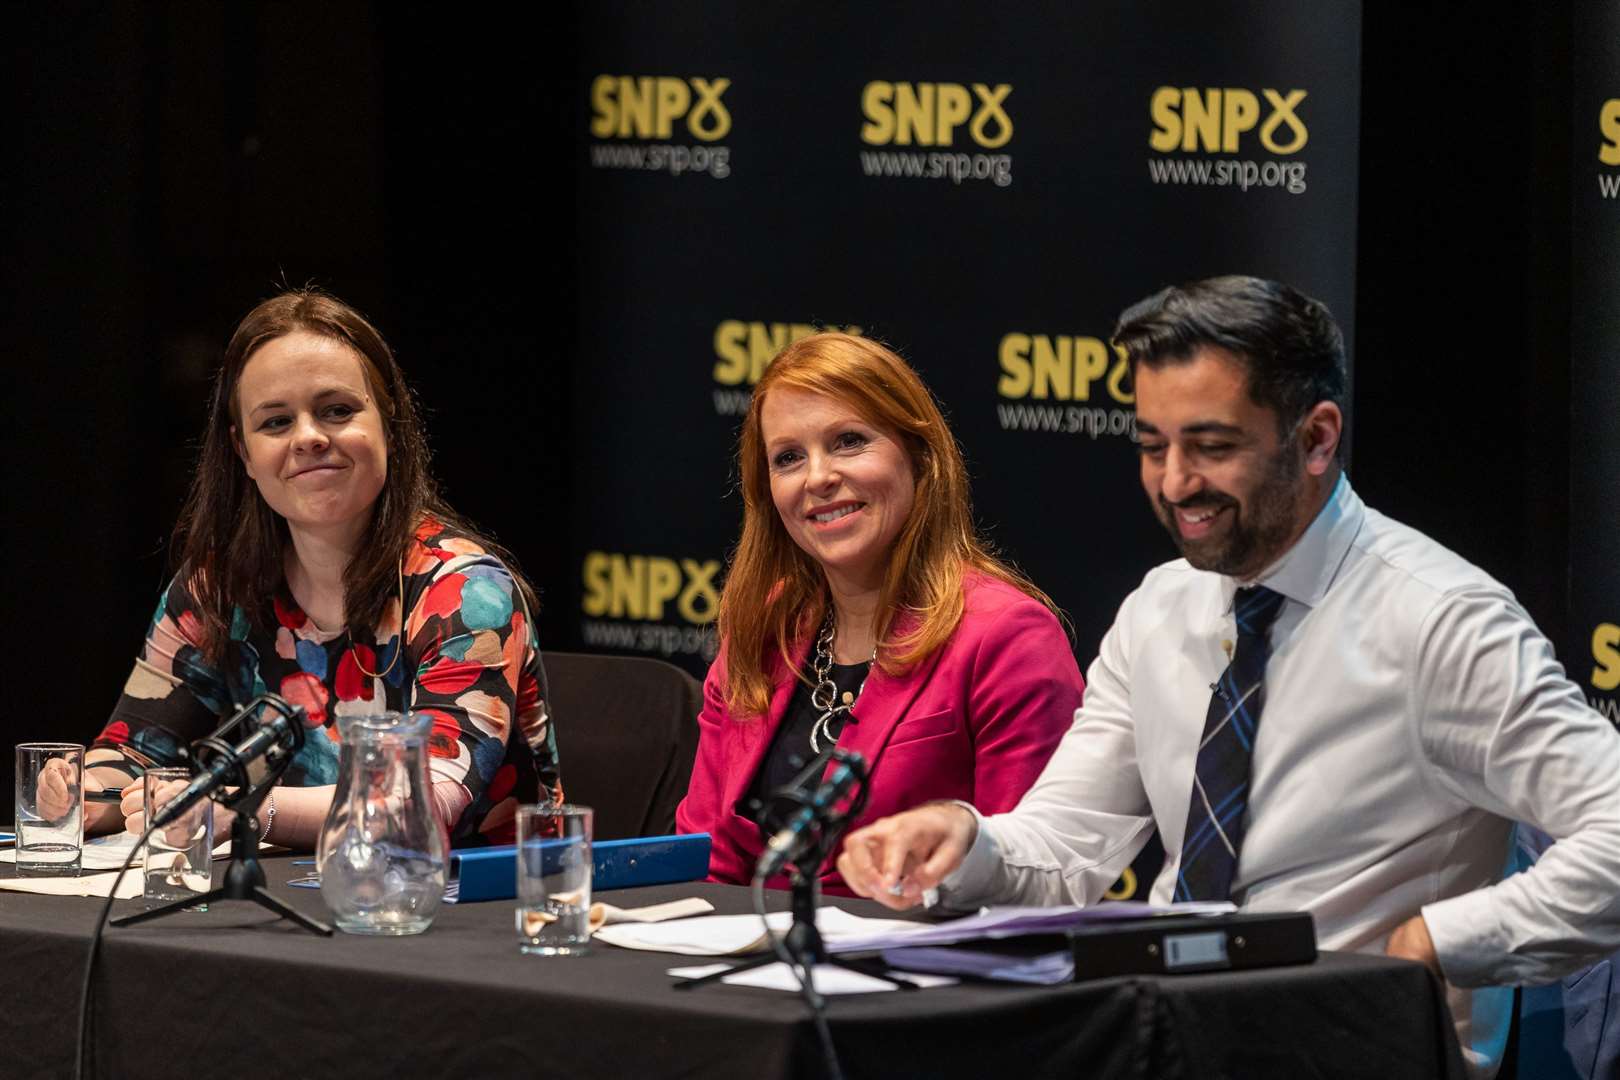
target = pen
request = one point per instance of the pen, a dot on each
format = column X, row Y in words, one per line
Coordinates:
column 106, row 795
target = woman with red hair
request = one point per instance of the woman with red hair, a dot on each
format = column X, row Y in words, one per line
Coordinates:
column 862, row 612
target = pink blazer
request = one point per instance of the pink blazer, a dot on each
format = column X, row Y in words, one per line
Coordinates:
column 975, row 721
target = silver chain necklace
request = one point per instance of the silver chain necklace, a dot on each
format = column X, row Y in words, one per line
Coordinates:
column 824, row 695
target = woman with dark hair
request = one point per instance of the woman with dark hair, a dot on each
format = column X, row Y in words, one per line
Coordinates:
column 317, row 560
column 862, row 611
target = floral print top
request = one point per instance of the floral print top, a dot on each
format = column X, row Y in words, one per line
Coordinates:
column 471, row 661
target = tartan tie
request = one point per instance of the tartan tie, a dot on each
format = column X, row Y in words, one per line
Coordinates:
column 1220, row 796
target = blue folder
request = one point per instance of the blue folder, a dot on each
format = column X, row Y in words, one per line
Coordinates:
column 490, row 873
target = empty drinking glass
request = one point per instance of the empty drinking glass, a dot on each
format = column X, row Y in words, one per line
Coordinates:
column 554, row 879
column 179, row 856
column 50, row 807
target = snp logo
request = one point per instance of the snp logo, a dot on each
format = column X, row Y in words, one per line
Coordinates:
column 1062, row 368
column 744, row 349
column 660, row 107
column 1085, row 372
column 628, row 106
column 1227, row 120
column 629, row 596
column 928, row 114
column 1606, row 671
column 1215, row 121
column 1609, row 148
column 639, row 587
column 934, row 115
column 1606, row 657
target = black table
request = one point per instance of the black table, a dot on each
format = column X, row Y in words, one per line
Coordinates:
column 234, row 992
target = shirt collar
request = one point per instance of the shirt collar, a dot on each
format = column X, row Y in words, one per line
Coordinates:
column 1306, row 571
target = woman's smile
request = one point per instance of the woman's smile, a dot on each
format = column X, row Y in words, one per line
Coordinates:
column 842, row 485
column 310, row 436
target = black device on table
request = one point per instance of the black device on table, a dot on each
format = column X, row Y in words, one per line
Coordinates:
column 1171, row 945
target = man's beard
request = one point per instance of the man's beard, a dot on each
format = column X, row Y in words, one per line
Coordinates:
column 1256, row 533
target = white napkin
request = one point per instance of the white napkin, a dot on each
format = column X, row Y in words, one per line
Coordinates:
column 607, row 915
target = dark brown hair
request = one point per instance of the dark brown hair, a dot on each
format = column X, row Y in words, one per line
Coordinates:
column 229, row 540
column 1287, row 343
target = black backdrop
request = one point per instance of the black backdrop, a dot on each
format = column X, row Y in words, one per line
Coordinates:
column 1594, row 571
column 169, row 163
column 1066, row 189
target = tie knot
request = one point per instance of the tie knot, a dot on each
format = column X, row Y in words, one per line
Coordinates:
column 1256, row 609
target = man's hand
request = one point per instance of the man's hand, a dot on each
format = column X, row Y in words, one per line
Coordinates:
column 895, row 859
column 1411, row 941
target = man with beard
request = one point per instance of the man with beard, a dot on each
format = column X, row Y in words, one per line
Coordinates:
column 1321, row 709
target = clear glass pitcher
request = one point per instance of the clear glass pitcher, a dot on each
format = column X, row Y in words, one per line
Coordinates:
column 382, row 857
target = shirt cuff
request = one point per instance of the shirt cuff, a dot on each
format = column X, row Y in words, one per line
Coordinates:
column 973, row 877
column 1468, row 938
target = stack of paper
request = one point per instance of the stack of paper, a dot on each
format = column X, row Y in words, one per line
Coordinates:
column 735, row 935
column 1043, row 960
column 995, row 923
column 98, row 853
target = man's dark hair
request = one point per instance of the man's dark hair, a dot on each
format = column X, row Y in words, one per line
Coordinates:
column 1288, row 344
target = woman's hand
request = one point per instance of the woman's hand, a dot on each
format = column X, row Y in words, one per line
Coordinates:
column 178, row 832
column 56, row 796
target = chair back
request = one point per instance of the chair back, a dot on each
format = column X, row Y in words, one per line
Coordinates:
column 626, row 736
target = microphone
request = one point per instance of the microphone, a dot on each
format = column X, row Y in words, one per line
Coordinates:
column 803, row 830
column 267, row 744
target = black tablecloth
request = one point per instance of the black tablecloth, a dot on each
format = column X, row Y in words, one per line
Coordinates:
column 235, row 992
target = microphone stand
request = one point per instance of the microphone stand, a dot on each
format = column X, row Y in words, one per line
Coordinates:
column 802, row 943
column 244, row 877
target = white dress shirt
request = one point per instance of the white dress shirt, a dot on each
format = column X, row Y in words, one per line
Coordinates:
column 1413, row 712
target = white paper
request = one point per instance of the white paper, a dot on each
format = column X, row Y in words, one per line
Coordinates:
column 87, row 885
column 830, row 981
column 98, row 853
column 731, row 935
column 109, row 852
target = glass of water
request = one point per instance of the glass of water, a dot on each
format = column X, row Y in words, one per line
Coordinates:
column 179, row 857
column 554, row 879
column 50, row 807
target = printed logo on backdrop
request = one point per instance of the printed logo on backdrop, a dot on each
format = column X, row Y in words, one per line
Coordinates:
column 742, row 351
column 1609, row 149
column 1606, row 671
column 660, row 124
column 1228, row 137
column 650, row 603
column 1064, row 385
column 959, row 129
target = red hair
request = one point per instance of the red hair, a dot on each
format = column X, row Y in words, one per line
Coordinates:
column 776, row 594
